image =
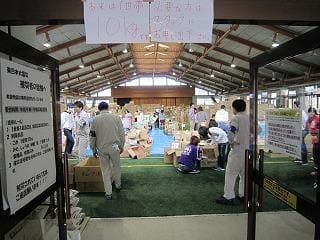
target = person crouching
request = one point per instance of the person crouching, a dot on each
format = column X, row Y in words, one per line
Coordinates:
column 189, row 161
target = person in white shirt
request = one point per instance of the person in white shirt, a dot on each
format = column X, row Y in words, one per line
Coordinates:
column 222, row 118
column 127, row 120
column 82, row 130
column 192, row 117
column 219, row 137
column 239, row 140
column 67, row 124
column 305, row 132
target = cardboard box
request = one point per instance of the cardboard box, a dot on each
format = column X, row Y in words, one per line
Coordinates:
column 168, row 155
column 88, row 170
column 210, row 151
column 137, row 152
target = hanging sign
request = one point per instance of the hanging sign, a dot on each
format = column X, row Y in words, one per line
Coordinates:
column 182, row 21
column 28, row 168
column 108, row 21
column 138, row 21
column 283, row 131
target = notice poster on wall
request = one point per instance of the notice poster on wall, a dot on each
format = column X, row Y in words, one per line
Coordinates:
column 142, row 21
column 283, row 131
column 108, row 21
column 182, row 21
column 28, row 168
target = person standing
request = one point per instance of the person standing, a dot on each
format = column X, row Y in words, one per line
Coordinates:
column 191, row 116
column 201, row 118
column 222, row 118
column 67, row 125
column 82, row 130
column 127, row 120
column 239, row 140
column 161, row 119
column 305, row 131
column 107, row 139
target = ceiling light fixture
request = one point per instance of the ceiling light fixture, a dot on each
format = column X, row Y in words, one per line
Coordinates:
column 98, row 76
column 232, row 63
column 173, row 73
column 134, row 74
column 131, row 65
column 66, row 88
column 81, row 66
column 212, row 75
column 274, row 41
column 200, row 82
column 47, row 45
column 125, row 50
column 83, row 92
column 180, row 64
column 191, row 86
column 190, row 48
column 116, row 87
column 273, row 76
column 109, row 82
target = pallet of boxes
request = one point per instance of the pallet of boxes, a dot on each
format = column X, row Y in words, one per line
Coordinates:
column 138, row 144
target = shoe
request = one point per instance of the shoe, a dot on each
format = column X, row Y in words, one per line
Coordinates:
column 219, row 169
column 118, row 189
column 303, row 164
column 194, row 172
column 298, row 161
column 224, row 201
column 314, row 173
column 311, row 158
column 108, row 197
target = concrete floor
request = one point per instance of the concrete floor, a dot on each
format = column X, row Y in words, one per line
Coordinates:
column 271, row 225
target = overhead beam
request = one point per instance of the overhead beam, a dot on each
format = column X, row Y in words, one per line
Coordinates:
column 47, row 28
column 282, row 31
column 81, row 55
column 65, row 45
column 20, row 12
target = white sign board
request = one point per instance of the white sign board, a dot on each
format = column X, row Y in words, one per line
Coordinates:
column 283, row 131
column 29, row 160
column 182, row 21
column 129, row 21
column 108, row 21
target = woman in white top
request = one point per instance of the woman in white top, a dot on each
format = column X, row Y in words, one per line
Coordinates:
column 127, row 120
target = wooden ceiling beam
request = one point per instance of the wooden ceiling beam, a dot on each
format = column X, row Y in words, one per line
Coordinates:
column 81, row 55
column 280, row 30
column 65, row 45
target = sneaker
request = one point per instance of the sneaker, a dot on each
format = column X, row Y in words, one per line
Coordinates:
column 118, row 189
column 298, row 161
column 108, row 197
column 218, row 169
column 224, row 201
column 303, row 164
column 311, row 158
column 314, row 173
column 194, row 172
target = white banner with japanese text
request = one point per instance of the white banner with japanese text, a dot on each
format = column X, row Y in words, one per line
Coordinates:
column 283, row 131
column 138, row 21
column 29, row 161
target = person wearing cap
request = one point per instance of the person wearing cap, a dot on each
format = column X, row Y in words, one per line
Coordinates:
column 107, row 139
column 305, row 132
column 82, row 130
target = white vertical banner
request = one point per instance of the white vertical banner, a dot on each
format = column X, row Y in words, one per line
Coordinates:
column 29, row 161
column 114, row 21
column 182, row 21
column 283, row 131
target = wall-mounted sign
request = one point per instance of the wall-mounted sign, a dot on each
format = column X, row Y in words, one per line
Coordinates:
column 283, row 131
column 130, row 21
column 28, row 168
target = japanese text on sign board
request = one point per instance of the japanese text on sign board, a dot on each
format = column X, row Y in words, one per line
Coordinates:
column 109, row 21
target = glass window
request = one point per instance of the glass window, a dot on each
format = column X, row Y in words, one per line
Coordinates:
column 309, row 89
column 122, row 85
column 292, row 93
column 274, row 95
column 146, row 82
column 89, row 103
column 160, row 81
column 204, row 101
column 133, row 83
column 199, row 91
column 172, row 82
column 105, row 93
column 264, row 94
column 183, row 84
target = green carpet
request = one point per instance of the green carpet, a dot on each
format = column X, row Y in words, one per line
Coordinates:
column 151, row 188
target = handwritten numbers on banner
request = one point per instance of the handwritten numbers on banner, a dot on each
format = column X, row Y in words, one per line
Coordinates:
column 110, row 21
column 182, row 21
column 116, row 21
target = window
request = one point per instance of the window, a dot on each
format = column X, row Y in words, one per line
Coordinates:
column 89, row 103
column 172, row 82
column 199, row 91
column 204, row 101
column 160, row 81
column 146, row 82
column 273, row 95
column 105, row 93
column 133, row 83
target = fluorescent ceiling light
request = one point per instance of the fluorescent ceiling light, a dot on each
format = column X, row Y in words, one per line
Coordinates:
column 200, row 82
column 147, row 54
column 47, row 45
column 163, row 45
column 81, row 66
column 180, row 64
column 125, row 50
column 275, row 44
column 212, row 75
column 232, row 65
column 66, row 88
column 149, row 46
column 163, row 54
column 173, row 73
